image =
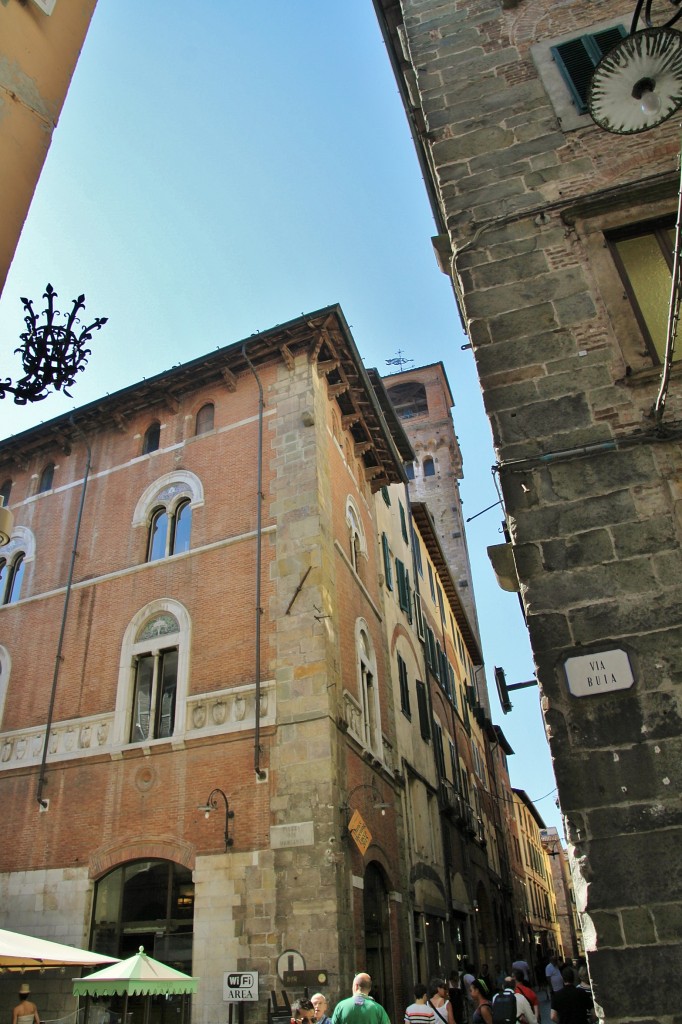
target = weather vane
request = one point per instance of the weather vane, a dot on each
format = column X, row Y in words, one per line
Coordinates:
column 51, row 353
column 399, row 360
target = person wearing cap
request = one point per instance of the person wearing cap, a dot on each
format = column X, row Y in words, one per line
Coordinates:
column 25, row 1012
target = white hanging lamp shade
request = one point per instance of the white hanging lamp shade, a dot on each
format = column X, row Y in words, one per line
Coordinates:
column 638, row 84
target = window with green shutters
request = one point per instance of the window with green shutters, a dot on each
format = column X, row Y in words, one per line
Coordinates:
column 403, row 523
column 577, row 58
column 388, row 570
column 404, row 687
column 404, row 595
column 423, row 707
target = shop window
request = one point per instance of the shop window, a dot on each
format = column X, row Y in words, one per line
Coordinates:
column 146, row 903
column 644, row 258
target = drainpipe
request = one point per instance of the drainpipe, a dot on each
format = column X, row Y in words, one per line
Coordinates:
column 67, row 596
column 260, row 774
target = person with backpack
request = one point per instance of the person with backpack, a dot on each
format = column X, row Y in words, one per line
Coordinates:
column 510, row 1007
column 480, row 997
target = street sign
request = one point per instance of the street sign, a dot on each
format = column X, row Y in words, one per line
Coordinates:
column 240, row 987
column 305, row 979
column 359, row 831
column 602, row 672
column 290, row 960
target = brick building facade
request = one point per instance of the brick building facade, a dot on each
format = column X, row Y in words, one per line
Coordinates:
column 551, row 230
column 216, row 585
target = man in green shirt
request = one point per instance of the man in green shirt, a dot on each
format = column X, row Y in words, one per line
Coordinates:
column 360, row 1008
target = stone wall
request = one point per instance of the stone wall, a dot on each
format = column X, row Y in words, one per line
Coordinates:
column 591, row 486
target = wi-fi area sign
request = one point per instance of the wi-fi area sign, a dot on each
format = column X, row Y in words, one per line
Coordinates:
column 240, row 987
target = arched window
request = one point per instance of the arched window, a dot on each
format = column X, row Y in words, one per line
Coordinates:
column 428, row 467
column 152, row 438
column 169, row 530
column 146, row 903
column 409, row 400
column 358, row 544
column 155, row 667
column 153, row 674
column 11, row 578
column 409, row 470
column 46, row 478
column 5, row 492
column 367, row 684
column 5, row 667
column 204, row 420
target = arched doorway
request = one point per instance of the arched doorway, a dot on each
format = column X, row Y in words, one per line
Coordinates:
column 146, row 903
column 378, row 937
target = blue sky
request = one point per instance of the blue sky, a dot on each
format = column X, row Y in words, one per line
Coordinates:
column 223, row 168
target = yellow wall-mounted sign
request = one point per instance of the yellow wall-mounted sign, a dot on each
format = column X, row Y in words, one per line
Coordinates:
column 359, row 831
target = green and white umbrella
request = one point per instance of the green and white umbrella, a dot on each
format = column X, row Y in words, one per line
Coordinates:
column 139, row 975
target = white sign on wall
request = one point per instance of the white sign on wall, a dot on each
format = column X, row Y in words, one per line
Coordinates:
column 602, row 672
column 298, row 833
column 240, row 987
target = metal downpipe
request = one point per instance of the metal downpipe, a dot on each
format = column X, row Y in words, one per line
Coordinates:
column 260, row 774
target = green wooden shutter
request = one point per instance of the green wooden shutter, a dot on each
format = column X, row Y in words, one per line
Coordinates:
column 577, row 58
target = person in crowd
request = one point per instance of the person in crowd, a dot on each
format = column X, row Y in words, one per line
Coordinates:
column 521, row 965
column 553, row 975
column 439, row 1002
column 500, row 975
column 456, row 998
column 467, row 978
column 484, row 975
column 302, row 1012
column 524, row 1013
column 321, row 1007
column 360, row 1008
column 480, row 997
column 419, row 1012
column 25, row 1012
column 527, row 991
column 584, row 979
column 570, row 1004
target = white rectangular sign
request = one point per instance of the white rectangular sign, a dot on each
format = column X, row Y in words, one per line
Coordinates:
column 240, row 987
column 602, row 672
column 299, row 833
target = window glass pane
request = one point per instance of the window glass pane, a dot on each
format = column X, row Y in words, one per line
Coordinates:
column 17, row 578
column 5, row 492
column 205, row 419
column 157, row 536
column 46, row 479
column 3, row 580
column 142, row 700
column 650, row 278
column 166, row 699
column 429, row 468
column 182, row 526
column 152, row 438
